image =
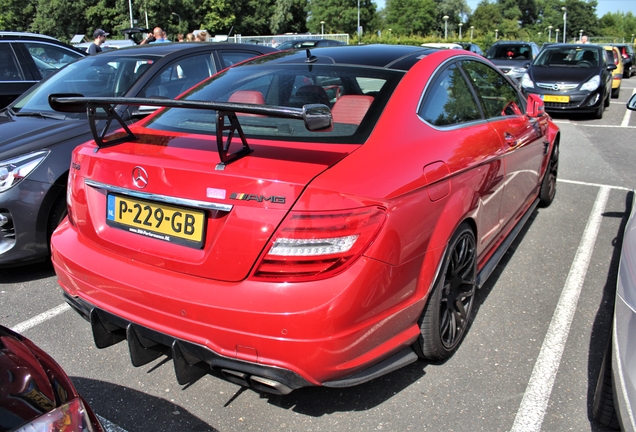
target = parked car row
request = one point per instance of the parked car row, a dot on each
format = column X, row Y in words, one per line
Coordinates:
column 26, row 58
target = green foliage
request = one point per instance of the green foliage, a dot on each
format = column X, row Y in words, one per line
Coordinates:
column 340, row 16
column 411, row 17
column 401, row 21
column 289, row 17
column 16, row 16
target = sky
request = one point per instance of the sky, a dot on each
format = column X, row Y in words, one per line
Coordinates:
column 604, row 6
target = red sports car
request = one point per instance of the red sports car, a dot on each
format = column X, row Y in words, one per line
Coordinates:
column 311, row 218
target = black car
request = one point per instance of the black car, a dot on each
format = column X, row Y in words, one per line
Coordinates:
column 629, row 59
column 308, row 43
column 512, row 57
column 26, row 58
column 571, row 78
column 36, row 142
column 35, row 393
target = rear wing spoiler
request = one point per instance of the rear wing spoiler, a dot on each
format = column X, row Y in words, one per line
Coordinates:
column 317, row 117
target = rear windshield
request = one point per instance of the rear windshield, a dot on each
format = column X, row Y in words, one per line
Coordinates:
column 356, row 96
column 510, row 52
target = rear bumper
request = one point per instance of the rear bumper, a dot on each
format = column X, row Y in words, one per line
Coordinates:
column 274, row 337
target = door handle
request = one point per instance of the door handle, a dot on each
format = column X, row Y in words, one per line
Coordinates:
column 510, row 139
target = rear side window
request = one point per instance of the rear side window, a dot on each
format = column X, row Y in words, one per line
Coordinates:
column 229, row 58
column 180, row 75
column 49, row 58
column 448, row 100
column 498, row 96
column 9, row 70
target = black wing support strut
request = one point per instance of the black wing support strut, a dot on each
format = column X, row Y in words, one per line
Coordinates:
column 317, row 117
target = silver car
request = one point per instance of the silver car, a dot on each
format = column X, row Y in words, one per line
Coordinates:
column 615, row 396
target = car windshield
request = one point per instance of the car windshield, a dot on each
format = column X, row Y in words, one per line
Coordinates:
column 568, row 57
column 94, row 76
column 356, row 96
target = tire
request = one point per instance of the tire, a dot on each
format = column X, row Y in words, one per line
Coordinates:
column 549, row 182
column 616, row 92
column 57, row 214
column 603, row 408
column 598, row 114
column 446, row 315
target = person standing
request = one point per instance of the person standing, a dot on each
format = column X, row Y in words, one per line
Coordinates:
column 99, row 37
column 157, row 36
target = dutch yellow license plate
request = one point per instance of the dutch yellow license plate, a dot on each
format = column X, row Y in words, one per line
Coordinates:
column 161, row 221
column 553, row 98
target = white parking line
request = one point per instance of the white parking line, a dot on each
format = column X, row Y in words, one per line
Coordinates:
column 628, row 113
column 535, row 400
column 39, row 319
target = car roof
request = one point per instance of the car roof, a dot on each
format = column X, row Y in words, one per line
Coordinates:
column 400, row 57
column 164, row 49
column 573, row 46
column 25, row 35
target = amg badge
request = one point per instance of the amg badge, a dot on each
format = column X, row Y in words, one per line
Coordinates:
column 257, row 198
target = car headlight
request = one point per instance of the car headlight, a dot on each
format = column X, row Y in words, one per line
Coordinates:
column 592, row 84
column 519, row 70
column 526, row 82
column 13, row 171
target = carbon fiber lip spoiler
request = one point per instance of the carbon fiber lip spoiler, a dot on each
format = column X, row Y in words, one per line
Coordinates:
column 317, row 117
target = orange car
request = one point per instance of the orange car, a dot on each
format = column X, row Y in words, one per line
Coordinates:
column 617, row 74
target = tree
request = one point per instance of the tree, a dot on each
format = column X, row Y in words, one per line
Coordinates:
column 411, row 17
column 16, row 16
column 218, row 15
column 486, row 18
column 290, row 16
column 581, row 15
column 60, row 18
column 340, row 16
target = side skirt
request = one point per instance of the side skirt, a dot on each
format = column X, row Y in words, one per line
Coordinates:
column 492, row 263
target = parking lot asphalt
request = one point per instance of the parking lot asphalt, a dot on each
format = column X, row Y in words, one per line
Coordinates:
column 529, row 362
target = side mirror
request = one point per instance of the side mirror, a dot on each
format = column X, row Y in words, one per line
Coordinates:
column 631, row 103
column 535, row 106
column 611, row 66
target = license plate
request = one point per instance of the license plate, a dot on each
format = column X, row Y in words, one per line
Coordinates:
column 161, row 221
column 552, row 98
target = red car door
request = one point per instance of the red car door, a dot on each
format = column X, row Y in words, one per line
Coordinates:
column 521, row 137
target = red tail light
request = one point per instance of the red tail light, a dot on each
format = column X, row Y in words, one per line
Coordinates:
column 317, row 245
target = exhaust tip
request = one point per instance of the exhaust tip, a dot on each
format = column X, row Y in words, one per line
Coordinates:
column 269, row 386
column 236, row 377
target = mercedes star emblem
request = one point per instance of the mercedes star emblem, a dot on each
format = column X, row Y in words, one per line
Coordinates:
column 140, row 177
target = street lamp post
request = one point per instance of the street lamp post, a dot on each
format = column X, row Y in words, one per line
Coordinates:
column 581, row 35
column 445, row 18
column 496, row 34
column 460, row 30
column 130, row 9
column 565, row 22
column 322, row 24
column 556, row 37
column 550, row 33
column 358, row 29
column 177, row 15
column 472, row 28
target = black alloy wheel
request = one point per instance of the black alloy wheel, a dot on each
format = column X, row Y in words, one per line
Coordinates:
column 446, row 316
